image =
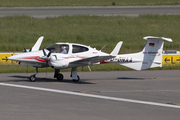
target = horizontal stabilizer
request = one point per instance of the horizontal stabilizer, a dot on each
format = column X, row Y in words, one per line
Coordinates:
column 157, row 38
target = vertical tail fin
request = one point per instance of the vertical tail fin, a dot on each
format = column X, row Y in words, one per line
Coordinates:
column 152, row 52
column 149, row 57
column 37, row 44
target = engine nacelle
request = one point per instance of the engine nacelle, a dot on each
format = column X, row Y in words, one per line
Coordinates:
column 58, row 63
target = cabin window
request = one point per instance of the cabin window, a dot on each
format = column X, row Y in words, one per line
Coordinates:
column 78, row 49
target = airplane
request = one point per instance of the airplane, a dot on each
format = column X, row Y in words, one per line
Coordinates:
column 72, row 55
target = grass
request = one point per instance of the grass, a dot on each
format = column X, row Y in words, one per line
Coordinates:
column 96, row 31
column 22, row 31
column 40, row 3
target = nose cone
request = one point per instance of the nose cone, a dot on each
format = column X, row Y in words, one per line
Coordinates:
column 14, row 58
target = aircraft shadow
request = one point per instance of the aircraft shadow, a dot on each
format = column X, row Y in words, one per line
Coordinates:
column 129, row 78
column 38, row 79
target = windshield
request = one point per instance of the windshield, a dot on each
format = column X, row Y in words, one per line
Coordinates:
column 59, row 48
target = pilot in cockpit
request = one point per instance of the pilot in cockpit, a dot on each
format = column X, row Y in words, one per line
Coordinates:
column 63, row 50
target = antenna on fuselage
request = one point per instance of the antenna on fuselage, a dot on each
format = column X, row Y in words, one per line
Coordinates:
column 103, row 46
column 89, row 68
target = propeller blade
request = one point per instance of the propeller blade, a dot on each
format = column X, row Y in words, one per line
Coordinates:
column 44, row 52
column 46, row 57
column 24, row 50
column 49, row 54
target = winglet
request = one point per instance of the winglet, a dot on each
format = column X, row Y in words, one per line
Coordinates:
column 116, row 49
column 37, row 44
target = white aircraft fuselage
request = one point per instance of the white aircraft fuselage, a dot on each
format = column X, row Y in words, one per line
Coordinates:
column 58, row 60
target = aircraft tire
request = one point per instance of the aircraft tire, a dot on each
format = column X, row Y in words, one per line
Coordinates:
column 77, row 79
column 32, row 78
column 60, row 77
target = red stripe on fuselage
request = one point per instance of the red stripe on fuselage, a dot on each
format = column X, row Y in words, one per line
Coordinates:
column 40, row 60
column 103, row 62
column 35, row 58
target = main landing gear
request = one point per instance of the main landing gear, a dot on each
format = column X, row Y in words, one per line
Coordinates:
column 60, row 76
column 74, row 75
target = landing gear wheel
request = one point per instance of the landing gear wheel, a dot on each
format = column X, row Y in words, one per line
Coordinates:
column 77, row 79
column 60, row 77
column 32, row 78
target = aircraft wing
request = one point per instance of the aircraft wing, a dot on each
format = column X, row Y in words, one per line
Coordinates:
column 91, row 60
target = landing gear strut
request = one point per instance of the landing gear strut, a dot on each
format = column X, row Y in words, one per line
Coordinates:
column 32, row 78
column 74, row 75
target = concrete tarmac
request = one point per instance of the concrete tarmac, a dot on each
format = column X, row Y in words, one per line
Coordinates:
column 66, row 100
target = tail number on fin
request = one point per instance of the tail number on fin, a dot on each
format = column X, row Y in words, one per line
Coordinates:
column 122, row 60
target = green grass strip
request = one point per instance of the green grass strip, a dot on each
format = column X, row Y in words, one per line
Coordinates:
column 22, row 31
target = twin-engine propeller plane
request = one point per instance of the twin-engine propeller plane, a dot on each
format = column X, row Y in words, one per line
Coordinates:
column 71, row 55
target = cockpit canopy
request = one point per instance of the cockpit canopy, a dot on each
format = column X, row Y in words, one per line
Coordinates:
column 66, row 48
column 58, row 48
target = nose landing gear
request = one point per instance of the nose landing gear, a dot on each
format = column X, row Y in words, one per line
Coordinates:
column 32, row 78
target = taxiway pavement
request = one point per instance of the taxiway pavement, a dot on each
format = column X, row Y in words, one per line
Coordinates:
column 43, row 12
column 109, row 95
